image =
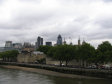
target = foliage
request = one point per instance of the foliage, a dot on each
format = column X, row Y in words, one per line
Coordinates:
column 86, row 52
column 62, row 53
column 83, row 53
column 9, row 55
column 44, row 49
column 104, row 52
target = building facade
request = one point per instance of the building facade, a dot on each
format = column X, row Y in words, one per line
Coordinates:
column 8, row 44
column 48, row 43
column 26, row 45
column 59, row 40
column 39, row 42
column 31, row 57
column 17, row 45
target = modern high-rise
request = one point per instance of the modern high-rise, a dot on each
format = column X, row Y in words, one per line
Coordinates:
column 49, row 43
column 8, row 44
column 39, row 42
column 59, row 40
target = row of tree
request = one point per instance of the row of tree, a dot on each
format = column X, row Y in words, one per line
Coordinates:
column 9, row 56
column 85, row 53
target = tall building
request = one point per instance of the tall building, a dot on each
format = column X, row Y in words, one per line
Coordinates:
column 49, row 43
column 39, row 42
column 8, row 44
column 59, row 40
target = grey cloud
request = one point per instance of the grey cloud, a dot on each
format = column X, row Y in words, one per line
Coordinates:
column 25, row 22
column 103, row 30
column 105, row 22
column 107, row 0
column 29, row 22
column 101, row 33
column 31, row 1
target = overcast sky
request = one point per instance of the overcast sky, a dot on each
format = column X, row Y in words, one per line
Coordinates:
column 25, row 20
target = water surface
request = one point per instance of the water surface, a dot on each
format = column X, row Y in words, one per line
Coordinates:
column 10, row 76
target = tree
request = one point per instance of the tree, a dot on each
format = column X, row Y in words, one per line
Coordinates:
column 105, row 50
column 9, row 56
column 51, row 52
column 70, row 52
column 14, row 54
column 85, row 53
column 62, row 53
column 59, row 53
column 44, row 49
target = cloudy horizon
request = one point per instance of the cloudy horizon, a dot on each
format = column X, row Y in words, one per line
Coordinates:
column 25, row 20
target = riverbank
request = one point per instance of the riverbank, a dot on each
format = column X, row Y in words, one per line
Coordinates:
column 57, row 71
column 46, row 72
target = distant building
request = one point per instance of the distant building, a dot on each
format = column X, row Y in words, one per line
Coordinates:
column 59, row 40
column 17, row 45
column 1, row 49
column 11, row 46
column 31, row 57
column 8, row 44
column 49, row 43
column 26, row 45
column 39, row 42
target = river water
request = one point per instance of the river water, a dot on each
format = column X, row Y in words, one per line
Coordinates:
column 10, row 76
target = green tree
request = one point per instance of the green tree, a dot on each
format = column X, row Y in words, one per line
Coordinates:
column 13, row 55
column 62, row 53
column 59, row 54
column 44, row 49
column 9, row 56
column 85, row 53
column 69, row 54
column 51, row 52
column 104, row 51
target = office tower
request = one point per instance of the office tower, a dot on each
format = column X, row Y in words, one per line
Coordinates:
column 59, row 40
column 39, row 42
column 8, row 44
column 48, row 43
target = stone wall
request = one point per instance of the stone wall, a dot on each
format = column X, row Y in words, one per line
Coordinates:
column 30, row 57
column 99, row 73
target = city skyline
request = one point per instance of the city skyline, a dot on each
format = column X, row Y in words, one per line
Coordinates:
column 40, row 41
column 24, row 20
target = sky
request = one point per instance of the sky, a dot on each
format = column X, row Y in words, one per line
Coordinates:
column 25, row 20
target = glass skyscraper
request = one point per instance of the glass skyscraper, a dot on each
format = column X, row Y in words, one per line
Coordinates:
column 59, row 40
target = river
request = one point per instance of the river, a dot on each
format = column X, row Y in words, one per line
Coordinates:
column 10, row 76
